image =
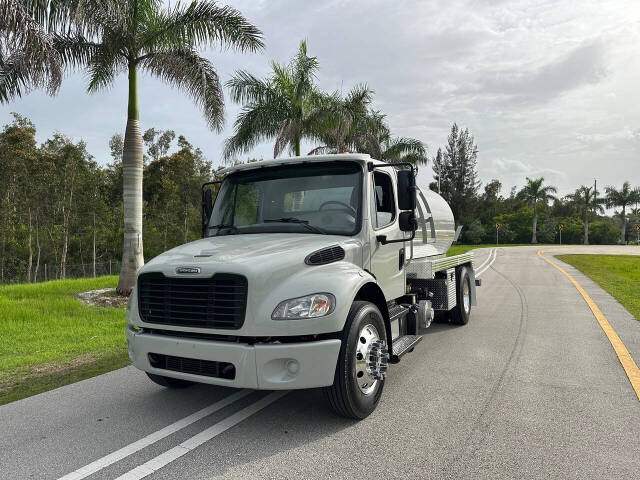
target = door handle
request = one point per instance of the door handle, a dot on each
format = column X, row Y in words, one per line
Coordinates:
column 401, row 258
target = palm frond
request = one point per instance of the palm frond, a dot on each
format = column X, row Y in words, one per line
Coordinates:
column 201, row 22
column 290, row 130
column 104, row 67
column 244, row 88
column 405, row 149
column 303, row 69
column 113, row 20
column 185, row 69
column 28, row 57
column 75, row 50
column 254, row 124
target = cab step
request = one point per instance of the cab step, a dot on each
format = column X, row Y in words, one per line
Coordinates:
column 397, row 311
column 403, row 345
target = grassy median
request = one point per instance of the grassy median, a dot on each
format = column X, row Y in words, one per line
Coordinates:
column 619, row 275
column 50, row 339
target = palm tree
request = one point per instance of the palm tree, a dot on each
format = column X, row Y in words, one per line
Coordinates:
column 533, row 193
column 588, row 203
column 131, row 35
column 634, row 217
column 341, row 120
column 624, row 197
column 374, row 137
column 285, row 106
column 367, row 132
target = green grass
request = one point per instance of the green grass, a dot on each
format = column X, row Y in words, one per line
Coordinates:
column 49, row 338
column 458, row 249
column 619, row 275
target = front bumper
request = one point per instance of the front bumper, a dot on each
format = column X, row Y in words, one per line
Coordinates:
column 273, row 366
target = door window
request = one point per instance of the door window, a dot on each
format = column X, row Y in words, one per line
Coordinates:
column 383, row 203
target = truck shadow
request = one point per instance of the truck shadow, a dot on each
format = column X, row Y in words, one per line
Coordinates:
column 439, row 327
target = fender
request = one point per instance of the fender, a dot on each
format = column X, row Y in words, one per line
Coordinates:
column 342, row 279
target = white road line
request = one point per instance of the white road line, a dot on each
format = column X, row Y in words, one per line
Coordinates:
column 487, row 259
column 185, row 447
column 490, row 260
column 153, row 437
column 487, row 263
column 494, row 253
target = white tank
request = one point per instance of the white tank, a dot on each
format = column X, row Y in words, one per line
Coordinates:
column 436, row 225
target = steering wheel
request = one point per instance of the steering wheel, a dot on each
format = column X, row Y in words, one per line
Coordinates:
column 349, row 208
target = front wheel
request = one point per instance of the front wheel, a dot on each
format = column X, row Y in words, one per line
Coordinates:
column 461, row 312
column 362, row 363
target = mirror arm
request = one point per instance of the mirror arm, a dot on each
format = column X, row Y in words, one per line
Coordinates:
column 383, row 238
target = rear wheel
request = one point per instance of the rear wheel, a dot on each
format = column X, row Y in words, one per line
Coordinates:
column 362, row 363
column 460, row 314
column 168, row 381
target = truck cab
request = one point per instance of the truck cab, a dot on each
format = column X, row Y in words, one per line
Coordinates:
column 312, row 271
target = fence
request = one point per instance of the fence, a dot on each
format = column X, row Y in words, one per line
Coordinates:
column 18, row 273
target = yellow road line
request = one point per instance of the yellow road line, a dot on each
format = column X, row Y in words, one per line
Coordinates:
column 629, row 365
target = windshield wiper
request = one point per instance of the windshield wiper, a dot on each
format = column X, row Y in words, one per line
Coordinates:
column 220, row 226
column 304, row 223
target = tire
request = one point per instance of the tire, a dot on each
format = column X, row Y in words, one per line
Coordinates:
column 460, row 314
column 169, row 382
column 350, row 395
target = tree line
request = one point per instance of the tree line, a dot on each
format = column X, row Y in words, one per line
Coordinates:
column 532, row 213
column 59, row 207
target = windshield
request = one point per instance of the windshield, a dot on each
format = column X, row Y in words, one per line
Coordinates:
column 321, row 198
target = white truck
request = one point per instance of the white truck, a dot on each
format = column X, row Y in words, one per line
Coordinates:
column 314, row 271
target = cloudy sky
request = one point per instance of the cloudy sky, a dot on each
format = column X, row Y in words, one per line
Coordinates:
column 547, row 88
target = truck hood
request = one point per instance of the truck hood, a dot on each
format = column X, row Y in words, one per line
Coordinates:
column 251, row 255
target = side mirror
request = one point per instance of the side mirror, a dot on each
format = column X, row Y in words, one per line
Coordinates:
column 406, row 190
column 407, row 221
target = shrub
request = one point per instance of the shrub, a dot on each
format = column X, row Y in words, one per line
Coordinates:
column 474, row 234
column 603, row 232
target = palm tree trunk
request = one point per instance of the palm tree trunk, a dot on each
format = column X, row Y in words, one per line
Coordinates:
column 623, row 236
column 132, row 257
column 94, row 246
column 535, row 226
column 35, row 273
column 586, row 230
column 30, row 261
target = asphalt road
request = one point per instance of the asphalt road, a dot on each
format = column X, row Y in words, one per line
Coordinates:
column 530, row 388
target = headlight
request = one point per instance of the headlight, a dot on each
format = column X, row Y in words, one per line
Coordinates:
column 309, row 306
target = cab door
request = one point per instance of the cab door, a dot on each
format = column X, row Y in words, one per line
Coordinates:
column 387, row 260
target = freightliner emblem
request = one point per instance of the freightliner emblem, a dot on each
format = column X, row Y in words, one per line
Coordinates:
column 191, row 270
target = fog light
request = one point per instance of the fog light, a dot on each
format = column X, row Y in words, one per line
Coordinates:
column 293, row 367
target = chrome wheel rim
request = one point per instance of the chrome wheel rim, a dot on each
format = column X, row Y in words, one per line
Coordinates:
column 371, row 359
column 466, row 296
